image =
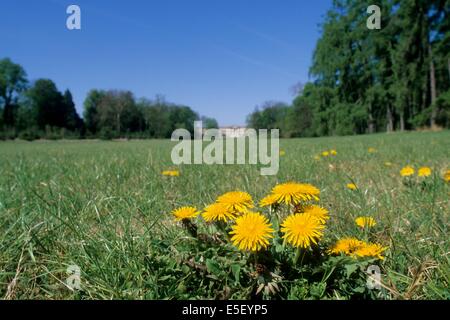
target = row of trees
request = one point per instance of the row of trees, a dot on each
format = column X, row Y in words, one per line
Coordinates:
column 395, row 78
column 117, row 113
column 364, row 81
column 37, row 110
column 29, row 109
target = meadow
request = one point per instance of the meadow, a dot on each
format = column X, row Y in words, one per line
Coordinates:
column 105, row 206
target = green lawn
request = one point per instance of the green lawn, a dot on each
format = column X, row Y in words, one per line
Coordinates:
column 105, row 207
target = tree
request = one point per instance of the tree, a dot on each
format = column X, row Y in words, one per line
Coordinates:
column 72, row 120
column 182, row 117
column 12, row 83
column 117, row 111
column 91, row 110
column 438, row 40
column 209, row 123
column 47, row 103
column 155, row 117
column 271, row 115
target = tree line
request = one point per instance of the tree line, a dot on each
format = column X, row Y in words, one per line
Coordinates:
column 363, row 81
column 366, row 81
column 39, row 110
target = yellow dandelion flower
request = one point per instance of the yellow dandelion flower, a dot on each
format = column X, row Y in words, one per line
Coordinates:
column 447, row 176
column 185, row 213
column 424, row 172
column 302, row 229
column 218, row 211
column 365, row 222
column 352, row 186
column 269, row 200
column 356, row 248
column 371, row 150
column 346, row 246
column 251, row 232
column 333, row 152
column 407, row 171
column 373, row 250
column 236, row 201
column 171, row 173
column 294, row 193
column 318, row 212
column 282, row 153
column 325, row 153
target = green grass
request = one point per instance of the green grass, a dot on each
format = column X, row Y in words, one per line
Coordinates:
column 105, row 207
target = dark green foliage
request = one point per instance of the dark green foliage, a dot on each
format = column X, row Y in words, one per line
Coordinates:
column 106, row 133
column 272, row 115
column 30, row 134
column 443, row 107
column 209, row 123
column 47, row 103
column 12, row 83
column 91, row 105
column 72, row 120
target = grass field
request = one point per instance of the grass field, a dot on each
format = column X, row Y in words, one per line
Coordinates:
column 105, row 207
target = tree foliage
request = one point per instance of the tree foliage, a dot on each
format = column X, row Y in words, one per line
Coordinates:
column 12, row 83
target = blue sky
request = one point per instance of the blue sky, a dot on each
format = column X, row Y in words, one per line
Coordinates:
column 221, row 57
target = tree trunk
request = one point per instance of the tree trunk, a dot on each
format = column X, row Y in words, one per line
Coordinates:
column 402, row 120
column 371, row 121
column 432, row 88
column 8, row 115
column 371, row 124
column 118, row 123
column 448, row 62
column 390, row 119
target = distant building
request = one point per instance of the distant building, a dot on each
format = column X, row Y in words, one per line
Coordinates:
column 230, row 131
column 233, row 131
